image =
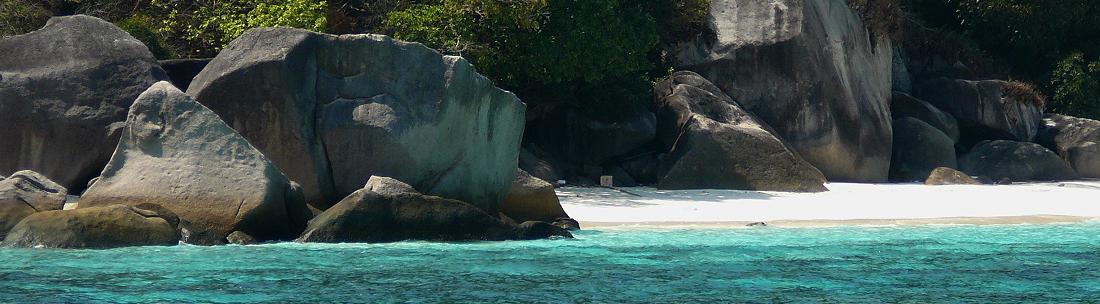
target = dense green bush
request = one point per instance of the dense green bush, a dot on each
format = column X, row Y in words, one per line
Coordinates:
column 548, row 51
column 202, row 28
column 1077, row 86
column 141, row 27
column 20, row 16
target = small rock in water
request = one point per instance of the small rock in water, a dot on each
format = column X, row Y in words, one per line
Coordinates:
column 567, row 223
column 757, row 224
column 240, row 238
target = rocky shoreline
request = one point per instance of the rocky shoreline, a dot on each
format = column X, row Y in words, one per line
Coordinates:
column 294, row 135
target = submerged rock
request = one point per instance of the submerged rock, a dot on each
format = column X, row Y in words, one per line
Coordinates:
column 532, row 199
column 947, row 176
column 985, row 109
column 64, row 91
column 387, row 210
column 332, row 111
column 1076, row 140
column 919, row 148
column 97, row 227
column 1015, row 161
column 25, row 193
column 811, row 71
column 903, row 105
column 179, row 154
column 714, row 144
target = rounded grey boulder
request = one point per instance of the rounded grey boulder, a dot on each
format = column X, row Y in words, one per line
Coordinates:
column 179, row 154
column 919, row 148
column 1016, row 161
column 1077, row 140
column 25, row 193
column 64, row 92
column 331, row 111
column 714, row 144
column 985, row 110
column 98, row 227
column 903, row 105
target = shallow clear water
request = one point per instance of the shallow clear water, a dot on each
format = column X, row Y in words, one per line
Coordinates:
column 1032, row 263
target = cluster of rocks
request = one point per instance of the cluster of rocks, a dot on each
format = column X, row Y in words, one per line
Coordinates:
column 786, row 95
column 390, row 141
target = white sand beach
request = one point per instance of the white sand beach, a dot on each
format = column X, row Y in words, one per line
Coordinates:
column 844, row 204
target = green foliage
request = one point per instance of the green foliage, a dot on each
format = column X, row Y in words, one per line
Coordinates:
column 557, row 48
column 20, row 17
column 141, row 27
column 1077, row 87
column 201, row 28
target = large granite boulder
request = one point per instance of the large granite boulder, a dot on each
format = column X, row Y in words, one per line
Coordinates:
column 97, row 227
column 1077, row 140
column 387, row 210
column 810, row 70
column 64, row 91
column 537, row 167
column 331, row 111
column 715, row 144
column 25, row 193
column 943, row 176
column 986, row 109
column 919, row 148
column 904, row 105
column 177, row 153
column 532, row 199
column 1016, row 161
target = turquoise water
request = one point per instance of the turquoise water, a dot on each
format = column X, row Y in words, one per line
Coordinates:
column 1030, row 263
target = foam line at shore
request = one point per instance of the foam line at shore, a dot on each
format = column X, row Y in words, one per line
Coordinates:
column 844, row 204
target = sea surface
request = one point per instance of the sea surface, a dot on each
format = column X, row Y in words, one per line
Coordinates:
column 917, row 264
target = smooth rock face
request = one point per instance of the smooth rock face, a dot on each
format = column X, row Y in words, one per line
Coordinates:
column 1015, row 161
column 177, row 153
column 97, row 227
column 714, row 144
column 983, row 109
column 946, row 176
column 532, row 199
column 64, row 91
column 811, row 71
column 1076, row 140
column 25, row 193
column 537, row 167
column 332, row 111
column 919, row 148
column 387, row 210
column 904, row 105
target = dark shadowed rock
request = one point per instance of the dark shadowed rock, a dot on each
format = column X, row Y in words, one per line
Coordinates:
column 947, row 176
column 570, row 134
column 715, row 144
column 811, row 71
column 537, row 167
column 1016, row 161
column 1076, row 140
column 25, row 193
column 389, row 211
column 534, row 230
column 182, row 71
column 903, row 105
column 97, row 227
column 179, row 154
column 64, row 91
column 984, row 109
column 644, row 168
column 331, row 111
column 532, row 199
column 918, row 149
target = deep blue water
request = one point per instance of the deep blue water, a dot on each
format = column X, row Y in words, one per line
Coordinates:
column 949, row 264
